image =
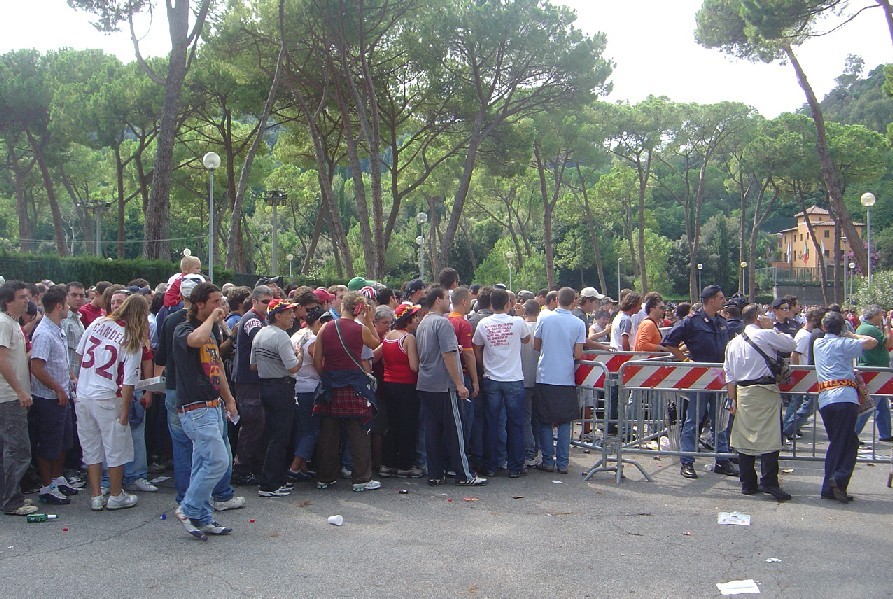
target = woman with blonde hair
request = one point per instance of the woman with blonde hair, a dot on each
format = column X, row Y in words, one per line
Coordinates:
column 111, row 351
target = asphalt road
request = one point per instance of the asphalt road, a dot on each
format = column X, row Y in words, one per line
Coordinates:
column 528, row 537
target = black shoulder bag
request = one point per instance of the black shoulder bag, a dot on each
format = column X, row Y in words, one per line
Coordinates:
column 780, row 368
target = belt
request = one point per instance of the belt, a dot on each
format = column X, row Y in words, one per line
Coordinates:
column 198, row 405
column 763, row 380
column 835, row 383
column 282, row 379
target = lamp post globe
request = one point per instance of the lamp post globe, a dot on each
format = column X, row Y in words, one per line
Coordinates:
column 868, row 201
column 211, row 161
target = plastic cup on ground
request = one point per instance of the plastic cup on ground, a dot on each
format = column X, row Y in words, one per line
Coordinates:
column 337, row 520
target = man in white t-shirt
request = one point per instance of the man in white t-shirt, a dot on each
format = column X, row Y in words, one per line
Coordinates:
column 621, row 327
column 497, row 346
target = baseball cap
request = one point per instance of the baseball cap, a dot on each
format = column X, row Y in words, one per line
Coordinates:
column 406, row 311
column 322, row 295
column 279, row 305
column 778, row 302
column 369, row 292
column 525, row 295
column 415, row 285
column 190, row 282
column 356, row 283
column 591, row 292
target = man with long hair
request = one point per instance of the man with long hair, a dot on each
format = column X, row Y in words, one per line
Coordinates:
column 201, row 385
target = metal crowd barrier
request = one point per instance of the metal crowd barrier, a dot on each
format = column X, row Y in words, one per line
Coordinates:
column 660, row 394
column 599, row 392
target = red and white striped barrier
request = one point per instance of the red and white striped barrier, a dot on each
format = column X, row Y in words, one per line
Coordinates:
column 673, row 376
column 709, row 377
column 591, row 368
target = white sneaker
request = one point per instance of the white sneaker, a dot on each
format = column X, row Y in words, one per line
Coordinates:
column 141, row 484
column 122, row 501
column 97, row 504
column 367, row 486
column 233, row 503
column 345, row 473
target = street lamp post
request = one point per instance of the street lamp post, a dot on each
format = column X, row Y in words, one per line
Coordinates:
column 509, row 258
column 211, row 161
column 421, row 218
column 619, row 260
column 868, row 200
column 743, row 278
column 700, row 268
column 289, row 257
column 852, row 276
column 275, row 199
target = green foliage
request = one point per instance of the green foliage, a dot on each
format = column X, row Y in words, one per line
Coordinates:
column 880, row 292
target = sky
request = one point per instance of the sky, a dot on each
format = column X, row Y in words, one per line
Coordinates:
column 650, row 41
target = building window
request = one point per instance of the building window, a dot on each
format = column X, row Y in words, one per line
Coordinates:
column 827, row 254
column 827, row 234
column 801, row 236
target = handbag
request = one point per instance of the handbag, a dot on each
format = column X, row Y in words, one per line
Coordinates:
column 866, row 401
column 780, row 368
column 373, row 382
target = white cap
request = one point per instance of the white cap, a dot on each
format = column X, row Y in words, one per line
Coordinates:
column 591, row 292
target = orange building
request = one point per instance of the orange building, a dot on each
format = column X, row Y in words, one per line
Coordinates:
column 797, row 248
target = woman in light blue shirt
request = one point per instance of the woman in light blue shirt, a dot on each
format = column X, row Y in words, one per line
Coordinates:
column 839, row 401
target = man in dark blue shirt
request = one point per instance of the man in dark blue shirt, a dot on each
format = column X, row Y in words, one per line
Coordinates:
column 706, row 335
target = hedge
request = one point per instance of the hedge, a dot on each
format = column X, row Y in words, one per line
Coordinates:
column 88, row 270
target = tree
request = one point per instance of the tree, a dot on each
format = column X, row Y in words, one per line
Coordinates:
column 769, row 31
column 25, row 98
column 501, row 61
column 111, row 14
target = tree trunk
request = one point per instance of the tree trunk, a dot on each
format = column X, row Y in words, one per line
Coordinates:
column 474, row 144
column 119, row 180
column 888, row 15
column 643, row 175
column 235, row 257
column 58, row 230
column 157, row 225
column 26, row 231
column 829, row 173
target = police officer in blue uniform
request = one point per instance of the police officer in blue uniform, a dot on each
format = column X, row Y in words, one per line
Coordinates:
column 706, row 335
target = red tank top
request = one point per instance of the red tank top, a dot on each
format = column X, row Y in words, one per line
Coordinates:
column 336, row 357
column 396, row 362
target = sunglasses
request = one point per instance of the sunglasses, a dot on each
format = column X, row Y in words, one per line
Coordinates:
column 266, row 301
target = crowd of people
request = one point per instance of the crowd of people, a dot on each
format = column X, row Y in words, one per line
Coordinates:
column 273, row 386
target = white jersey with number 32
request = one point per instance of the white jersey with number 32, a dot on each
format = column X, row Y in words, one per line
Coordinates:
column 105, row 365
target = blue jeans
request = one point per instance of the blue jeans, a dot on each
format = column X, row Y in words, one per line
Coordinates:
column 881, row 418
column 182, row 450
column 800, row 408
column 560, row 450
column 505, row 424
column 210, row 461
column 139, row 467
column 306, row 426
column 698, row 405
column 531, row 428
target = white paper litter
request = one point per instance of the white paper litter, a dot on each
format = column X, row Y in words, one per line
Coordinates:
column 557, row 482
column 733, row 519
column 738, row 587
column 159, row 479
column 773, row 560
